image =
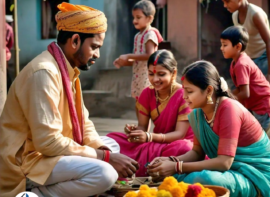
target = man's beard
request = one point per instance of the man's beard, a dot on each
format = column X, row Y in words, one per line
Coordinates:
column 88, row 65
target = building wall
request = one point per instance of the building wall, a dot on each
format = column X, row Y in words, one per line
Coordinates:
column 183, row 30
column 29, row 31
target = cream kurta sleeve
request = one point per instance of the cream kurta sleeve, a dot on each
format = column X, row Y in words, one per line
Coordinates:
column 43, row 90
column 90, row 136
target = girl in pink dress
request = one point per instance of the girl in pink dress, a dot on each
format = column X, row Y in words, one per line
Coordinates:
column 146, row 42
column 163, row 103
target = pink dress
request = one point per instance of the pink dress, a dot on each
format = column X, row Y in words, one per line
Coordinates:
column 171, row 111
column 140, row 71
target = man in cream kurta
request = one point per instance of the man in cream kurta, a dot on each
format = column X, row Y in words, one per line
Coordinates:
column 37, row 149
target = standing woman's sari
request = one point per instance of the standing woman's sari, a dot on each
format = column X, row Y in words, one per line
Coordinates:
column 249, row 174
column 165, row 118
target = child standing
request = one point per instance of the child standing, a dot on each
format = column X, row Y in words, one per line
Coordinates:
column 255, row 20
column 252, row 88
column 145, row 43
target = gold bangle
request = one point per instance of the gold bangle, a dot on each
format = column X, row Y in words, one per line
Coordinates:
column 181, row 167
column 151, row 137
column 163, row 138
column 148, row 137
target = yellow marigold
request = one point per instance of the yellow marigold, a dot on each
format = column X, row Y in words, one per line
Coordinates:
column 199, row 185
column 168, row 183
column 144, row 193
column 144, row 187
column 153, row 191
column 163, row 193
column 178, row 192
column 183, row 186
column 207, row 193
column 131, row 194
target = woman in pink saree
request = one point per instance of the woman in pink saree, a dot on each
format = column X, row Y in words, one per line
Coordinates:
column 163, row 103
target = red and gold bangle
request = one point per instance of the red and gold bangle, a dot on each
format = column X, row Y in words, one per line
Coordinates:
column 171, row 158
column 174, row 159
column 106, row 156
column 177, row 167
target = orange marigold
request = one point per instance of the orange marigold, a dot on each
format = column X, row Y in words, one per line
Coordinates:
column 183, row 186
column 144, row 187
column 168, row 183
column 177, row 192
column 207, row 193
column 131, row 194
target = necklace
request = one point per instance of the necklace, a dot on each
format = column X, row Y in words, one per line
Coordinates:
column 165, row 99
column 211, row 122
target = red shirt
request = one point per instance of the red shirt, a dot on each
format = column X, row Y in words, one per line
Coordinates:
column 246, row 72
column 235, row 126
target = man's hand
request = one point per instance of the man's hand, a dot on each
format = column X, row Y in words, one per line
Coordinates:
column 104, row 148
column 124, row 165
column 161, row 3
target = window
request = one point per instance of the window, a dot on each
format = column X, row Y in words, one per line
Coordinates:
column 49, row 10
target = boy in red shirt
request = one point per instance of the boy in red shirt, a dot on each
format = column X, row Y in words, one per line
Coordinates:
column 252, row 88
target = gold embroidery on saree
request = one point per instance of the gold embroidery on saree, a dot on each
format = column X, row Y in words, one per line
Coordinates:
column 141, row 108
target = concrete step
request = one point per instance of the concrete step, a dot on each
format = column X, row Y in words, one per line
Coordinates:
column 106, row 104
column 98, row 94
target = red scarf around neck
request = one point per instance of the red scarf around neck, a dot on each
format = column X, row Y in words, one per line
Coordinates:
column 61, row 62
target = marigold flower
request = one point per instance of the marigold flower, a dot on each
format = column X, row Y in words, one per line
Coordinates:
column 207, row 193
column 131, row 194
column 193, row 191
column 144, row 187
column 168, row 183
column 163, row 193
column 153, row 191
column 171, row 188
column 177, row 192
column 183, row 186
column 144, row 193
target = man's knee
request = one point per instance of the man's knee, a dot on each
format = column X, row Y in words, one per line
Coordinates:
column 108, row 176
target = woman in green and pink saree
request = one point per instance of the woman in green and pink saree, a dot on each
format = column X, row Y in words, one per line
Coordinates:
column 224, row 130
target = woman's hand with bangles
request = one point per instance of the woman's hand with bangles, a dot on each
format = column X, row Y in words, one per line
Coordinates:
column 137, row 136
column 161, row 169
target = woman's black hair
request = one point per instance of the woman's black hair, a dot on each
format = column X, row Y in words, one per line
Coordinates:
column 236, row 34
column 202, row 74
column 63, row 36
column 163, row 58
column 147, row 7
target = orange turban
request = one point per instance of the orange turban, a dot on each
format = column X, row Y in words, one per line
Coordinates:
column 80, row 18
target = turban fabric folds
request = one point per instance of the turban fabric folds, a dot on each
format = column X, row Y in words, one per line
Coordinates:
column 80, row 18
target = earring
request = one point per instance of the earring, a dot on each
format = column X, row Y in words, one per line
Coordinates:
column 209, row 100
column 151, row 87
